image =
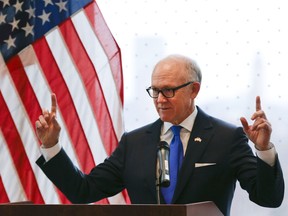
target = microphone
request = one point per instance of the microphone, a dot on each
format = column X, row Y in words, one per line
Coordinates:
column 163, row 151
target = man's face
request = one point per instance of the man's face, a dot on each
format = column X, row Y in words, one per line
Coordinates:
column 170, row 74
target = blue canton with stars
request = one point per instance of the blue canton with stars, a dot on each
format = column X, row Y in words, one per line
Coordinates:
column 24, row 21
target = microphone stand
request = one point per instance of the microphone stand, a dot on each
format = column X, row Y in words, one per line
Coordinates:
column 158, row 187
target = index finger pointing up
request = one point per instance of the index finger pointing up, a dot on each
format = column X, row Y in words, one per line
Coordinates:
column 258, row 103
column 53, row 104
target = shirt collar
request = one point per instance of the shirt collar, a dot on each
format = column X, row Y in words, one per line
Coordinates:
column 187, row 123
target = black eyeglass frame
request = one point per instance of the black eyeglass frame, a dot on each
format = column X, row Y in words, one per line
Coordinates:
column 150, row 93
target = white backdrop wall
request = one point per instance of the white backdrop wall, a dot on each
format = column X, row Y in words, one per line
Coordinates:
column 241, row 47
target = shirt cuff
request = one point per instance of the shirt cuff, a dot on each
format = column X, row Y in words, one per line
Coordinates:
column 49, row 153
column 267, row 156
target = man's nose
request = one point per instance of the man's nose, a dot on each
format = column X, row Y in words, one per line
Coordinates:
column 161, row 98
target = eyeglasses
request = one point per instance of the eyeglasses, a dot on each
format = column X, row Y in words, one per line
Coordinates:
column 166, row 92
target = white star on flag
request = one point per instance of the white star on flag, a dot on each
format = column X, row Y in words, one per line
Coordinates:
column 48, row 2
column 61, row 5
column 28, row 30
column 18, row 6
column 15, row 24
column 31, row 12
column 10, row 42
column 2, row 18
column 44, row 17
column 5, row 2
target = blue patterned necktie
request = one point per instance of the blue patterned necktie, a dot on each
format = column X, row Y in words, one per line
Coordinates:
column 175, row 157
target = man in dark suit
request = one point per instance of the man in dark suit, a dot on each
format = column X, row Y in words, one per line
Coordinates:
column 216, row 154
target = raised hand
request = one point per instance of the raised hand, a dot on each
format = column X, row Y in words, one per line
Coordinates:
column 260, row 131
column 47, row 127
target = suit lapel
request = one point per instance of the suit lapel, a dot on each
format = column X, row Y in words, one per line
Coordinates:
column 198, row 141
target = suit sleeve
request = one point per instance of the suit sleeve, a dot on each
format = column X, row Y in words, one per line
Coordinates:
column 103, row 181
column 265, row 184
column 270, row 184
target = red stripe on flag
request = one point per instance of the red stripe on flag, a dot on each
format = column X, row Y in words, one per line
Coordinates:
column 24, row 88
column 3, row 195
column 65, row 104
column 113, row 53
column 28, row 98
column 18, row 154
column 92, row 86
column 108, row 43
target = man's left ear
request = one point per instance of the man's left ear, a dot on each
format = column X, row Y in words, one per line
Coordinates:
column 195, row 89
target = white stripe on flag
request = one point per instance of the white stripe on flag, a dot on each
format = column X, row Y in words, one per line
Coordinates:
column 79, row 97
column 3, row 71
column 42, row 91
column 78, row 94
column 9, row 174
column 28, row 137
column 101, row 63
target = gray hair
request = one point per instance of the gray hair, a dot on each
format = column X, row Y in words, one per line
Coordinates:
column 194, row 71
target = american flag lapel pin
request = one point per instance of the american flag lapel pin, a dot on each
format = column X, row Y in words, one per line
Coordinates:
column 198, row 139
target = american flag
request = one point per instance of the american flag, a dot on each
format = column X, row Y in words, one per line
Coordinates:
column 65, row 47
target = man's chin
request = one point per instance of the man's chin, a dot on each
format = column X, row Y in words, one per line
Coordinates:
column 165, row 118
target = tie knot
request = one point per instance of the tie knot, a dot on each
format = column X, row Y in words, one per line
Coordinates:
column 176, row 130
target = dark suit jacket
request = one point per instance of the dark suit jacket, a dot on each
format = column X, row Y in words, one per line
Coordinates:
column 133, row 166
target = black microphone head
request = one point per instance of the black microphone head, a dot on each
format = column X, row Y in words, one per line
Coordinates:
column 163, row 150
column 163, row 144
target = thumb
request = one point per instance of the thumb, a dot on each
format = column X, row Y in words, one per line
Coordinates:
column 244, row 124
column 55, row 122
